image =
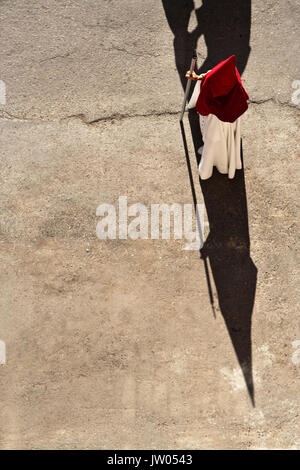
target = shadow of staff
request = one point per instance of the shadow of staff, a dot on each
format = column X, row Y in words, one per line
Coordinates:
column 226, row 29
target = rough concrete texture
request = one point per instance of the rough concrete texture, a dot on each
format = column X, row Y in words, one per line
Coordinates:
column 114, row 344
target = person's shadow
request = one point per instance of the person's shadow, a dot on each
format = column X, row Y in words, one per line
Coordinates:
column 225, row 26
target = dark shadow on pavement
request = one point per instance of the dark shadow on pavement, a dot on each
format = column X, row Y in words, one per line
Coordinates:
column 225, row 26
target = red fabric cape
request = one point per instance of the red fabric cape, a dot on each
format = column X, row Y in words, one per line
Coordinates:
column 222, row 92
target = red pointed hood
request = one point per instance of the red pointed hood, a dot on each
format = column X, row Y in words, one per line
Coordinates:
column 222, row 92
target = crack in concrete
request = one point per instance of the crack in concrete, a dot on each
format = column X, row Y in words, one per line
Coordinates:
column 119, row 117
column 264, row 100
column 4, row 115
column 135, row 54
column 64, row 56
column 275, row 101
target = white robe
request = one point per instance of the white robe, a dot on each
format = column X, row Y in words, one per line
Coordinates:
column 221, row 143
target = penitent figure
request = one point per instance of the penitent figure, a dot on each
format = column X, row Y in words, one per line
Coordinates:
column 220, row 100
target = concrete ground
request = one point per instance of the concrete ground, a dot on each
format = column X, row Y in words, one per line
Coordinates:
column 114, row 344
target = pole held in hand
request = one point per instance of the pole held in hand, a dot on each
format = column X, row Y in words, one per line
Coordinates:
column 188, row 85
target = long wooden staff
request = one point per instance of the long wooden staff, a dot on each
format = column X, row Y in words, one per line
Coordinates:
column 188, row 85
